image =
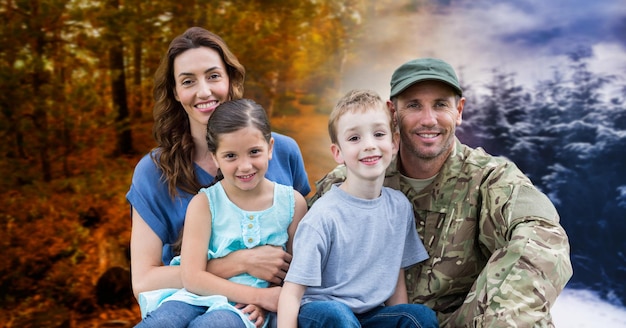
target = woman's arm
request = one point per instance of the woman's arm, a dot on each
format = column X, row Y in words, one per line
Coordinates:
column 194, row 276
column 399, row 295
column 269, row 263
column 147, row 271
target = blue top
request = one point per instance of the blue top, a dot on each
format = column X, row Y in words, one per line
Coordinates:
column 149, row 195
column 350, row 250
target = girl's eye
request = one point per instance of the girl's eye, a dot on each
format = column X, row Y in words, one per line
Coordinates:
column 229, row 156
column 255, row 151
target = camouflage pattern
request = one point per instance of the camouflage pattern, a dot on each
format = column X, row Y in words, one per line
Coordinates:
column 498, row 255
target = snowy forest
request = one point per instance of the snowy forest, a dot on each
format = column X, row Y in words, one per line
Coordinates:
column 568, row 134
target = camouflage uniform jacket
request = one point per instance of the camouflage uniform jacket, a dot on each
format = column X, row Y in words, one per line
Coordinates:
column 498, row 255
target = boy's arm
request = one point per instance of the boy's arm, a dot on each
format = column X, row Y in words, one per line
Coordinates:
column 289, row 304
column 399, row 295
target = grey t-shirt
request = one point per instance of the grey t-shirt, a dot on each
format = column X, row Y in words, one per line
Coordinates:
column 350, row 250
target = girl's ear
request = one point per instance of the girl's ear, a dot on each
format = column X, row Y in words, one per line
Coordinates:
column 271, row 148
column 214, row 158
column 336, row 150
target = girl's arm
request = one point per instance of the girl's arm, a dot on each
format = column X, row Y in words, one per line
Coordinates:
column 147, row 271
column 291, row 294
column 289, row 305
column 194, row 276
column 300, row 209
column 399, row 295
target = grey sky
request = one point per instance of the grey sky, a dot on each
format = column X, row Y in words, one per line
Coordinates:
column 525, row 37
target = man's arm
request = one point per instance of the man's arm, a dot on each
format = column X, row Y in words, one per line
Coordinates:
column 338, row 174
column 529, row 265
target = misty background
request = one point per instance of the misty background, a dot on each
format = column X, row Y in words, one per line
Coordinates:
column 545, row 87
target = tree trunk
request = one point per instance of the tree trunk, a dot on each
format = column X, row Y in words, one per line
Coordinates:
column 118, row 88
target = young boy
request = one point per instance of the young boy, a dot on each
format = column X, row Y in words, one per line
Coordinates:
column 351, row 248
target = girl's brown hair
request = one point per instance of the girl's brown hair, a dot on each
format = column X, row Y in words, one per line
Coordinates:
column 171, row 130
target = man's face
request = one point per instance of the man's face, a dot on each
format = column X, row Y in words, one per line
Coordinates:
column 427, row 114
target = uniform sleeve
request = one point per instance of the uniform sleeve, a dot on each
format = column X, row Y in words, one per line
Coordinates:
column 337, row 175
column 529, row 263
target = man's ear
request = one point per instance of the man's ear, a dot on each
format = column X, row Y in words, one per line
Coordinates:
column 334, row 148
column 459, row 108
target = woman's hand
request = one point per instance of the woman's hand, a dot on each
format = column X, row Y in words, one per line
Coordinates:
column 269, row 263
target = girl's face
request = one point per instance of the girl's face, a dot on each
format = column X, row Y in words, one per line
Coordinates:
column 202, row 83
column 243, row 158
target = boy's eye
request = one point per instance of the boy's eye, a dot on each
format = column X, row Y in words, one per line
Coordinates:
column 353, row 138
column 380, row 134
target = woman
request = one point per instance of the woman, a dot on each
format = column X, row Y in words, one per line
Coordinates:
column 196, row 75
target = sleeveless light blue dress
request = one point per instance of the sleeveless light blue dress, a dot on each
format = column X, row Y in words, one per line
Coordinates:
column 232, row 229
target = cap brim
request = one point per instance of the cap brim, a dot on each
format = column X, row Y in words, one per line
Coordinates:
column 426, row 77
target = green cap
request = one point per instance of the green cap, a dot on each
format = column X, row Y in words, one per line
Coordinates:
column 422, row 69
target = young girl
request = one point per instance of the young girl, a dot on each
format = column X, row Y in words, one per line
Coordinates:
column 243, row 209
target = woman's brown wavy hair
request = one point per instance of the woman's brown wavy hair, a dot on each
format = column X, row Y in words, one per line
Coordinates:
column 171, row 130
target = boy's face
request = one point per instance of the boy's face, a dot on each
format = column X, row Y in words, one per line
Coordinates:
column 366, row 143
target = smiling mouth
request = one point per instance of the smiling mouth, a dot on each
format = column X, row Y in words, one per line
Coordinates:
column 246, row 177
column 206, row 105
column 428, row 135
column 370, row 159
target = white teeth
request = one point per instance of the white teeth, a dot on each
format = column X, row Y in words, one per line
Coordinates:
column 428, row 135
column 205, row 105
column 370, row 159
column 246, row 176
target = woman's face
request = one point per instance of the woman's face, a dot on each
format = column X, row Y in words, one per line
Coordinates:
column 202, row 83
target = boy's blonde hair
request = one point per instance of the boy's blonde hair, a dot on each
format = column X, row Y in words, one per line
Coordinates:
column 360, row 100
